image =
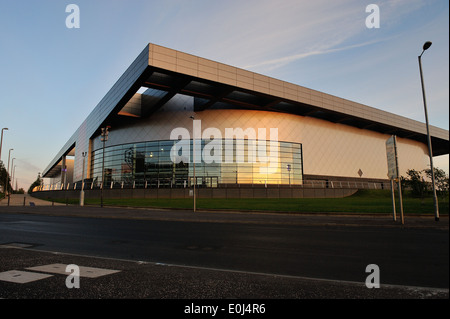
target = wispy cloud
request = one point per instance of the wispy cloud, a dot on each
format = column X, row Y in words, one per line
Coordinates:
column 266, row 35
column 249, row 31
column 279, row 62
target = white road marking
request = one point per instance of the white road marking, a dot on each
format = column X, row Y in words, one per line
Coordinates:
column 413, row 288
column 21, row 277
column 87, row 272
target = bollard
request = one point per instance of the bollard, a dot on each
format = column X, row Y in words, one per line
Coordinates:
column 24, row 201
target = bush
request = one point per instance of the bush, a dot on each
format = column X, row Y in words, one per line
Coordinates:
column 416, row 183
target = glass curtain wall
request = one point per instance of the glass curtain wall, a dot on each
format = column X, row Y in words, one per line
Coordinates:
column 149, row 165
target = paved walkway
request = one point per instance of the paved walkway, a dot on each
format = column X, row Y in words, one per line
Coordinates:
column 25, row 200
column 43, row 207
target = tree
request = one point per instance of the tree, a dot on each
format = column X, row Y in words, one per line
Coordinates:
column 441, row 180
column 4, row 177
column 415, row 182
column 37, row 182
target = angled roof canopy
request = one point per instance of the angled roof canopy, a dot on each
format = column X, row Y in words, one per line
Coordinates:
column 214, row 84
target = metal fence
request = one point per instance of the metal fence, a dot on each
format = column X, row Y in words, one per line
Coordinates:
column 151, row 184
column 346, row 184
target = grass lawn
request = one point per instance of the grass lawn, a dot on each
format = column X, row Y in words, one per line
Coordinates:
column 364, row 201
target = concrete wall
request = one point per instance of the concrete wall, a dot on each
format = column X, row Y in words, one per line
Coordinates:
column 230, row 192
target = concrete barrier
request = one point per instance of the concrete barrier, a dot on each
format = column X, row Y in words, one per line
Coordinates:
column 227, row 192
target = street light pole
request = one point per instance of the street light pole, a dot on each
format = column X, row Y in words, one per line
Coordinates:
column 12, row 178
column 288, row 167
column 436, row 205
column 7, row 170
column 82, row 181
column 104, row 138
column 12, row 174
column 7, row 175
column 1, row 142
column 193, row 158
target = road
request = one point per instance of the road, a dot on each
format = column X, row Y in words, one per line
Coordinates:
column 322, row 247
column 178, row 254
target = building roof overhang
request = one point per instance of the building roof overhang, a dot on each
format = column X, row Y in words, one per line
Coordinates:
column 212, row 83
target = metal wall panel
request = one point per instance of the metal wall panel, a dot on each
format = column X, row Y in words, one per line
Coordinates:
column 103, row 109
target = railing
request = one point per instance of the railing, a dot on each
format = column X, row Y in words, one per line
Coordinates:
column 142, row 184
column 346, row 184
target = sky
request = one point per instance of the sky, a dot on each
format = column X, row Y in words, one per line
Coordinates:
column 52, row 77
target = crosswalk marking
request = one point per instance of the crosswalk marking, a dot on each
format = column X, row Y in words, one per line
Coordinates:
column 88, row 272
column 22, row 277
column 44, row 271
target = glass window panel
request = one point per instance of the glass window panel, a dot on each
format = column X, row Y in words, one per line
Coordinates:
column 152, row 160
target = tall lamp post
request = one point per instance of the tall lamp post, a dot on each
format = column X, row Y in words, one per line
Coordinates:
column 104, row 138
column 12, row 178
column 193, row 159
column 436, row 205
column 1, row 144
column 7, row 175
column 12, row 174
column 288, row 167
column 82, row 180
column 7, row 170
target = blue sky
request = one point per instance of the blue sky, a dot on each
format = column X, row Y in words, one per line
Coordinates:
column 52, row 77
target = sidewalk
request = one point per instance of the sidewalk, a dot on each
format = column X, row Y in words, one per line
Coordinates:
column 217, row 216
column 25, row 200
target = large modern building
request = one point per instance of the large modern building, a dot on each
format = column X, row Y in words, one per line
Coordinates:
column 249, row 129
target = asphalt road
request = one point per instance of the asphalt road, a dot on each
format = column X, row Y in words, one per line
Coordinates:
column 321, row 247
